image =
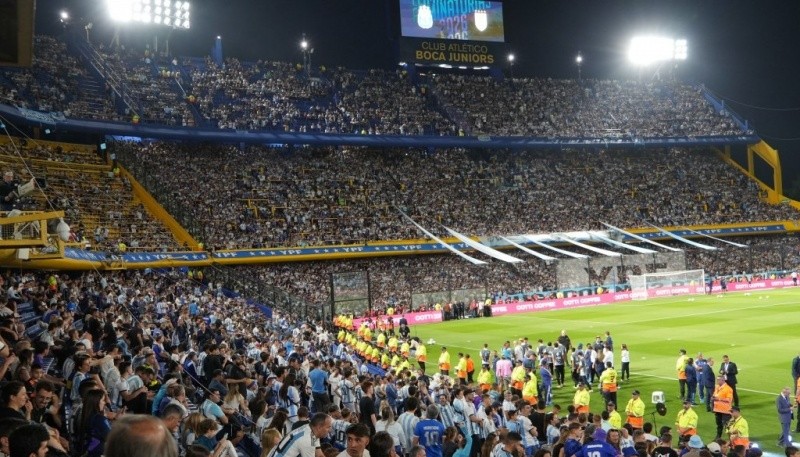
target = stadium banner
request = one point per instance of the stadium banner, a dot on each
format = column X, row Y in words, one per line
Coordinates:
column 432, row 51
column 501, row 309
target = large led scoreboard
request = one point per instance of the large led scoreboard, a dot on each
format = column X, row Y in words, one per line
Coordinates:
column 452, row 32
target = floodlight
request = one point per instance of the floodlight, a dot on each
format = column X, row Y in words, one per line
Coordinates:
column 579, row 59
column 646, row 50
column 511, row 57
column 681, row 49
column 219, row 37
column 167, row 12
column 121, row 11
column 304, row 44
column 64, row 15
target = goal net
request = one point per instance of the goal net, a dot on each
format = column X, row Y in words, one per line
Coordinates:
column 667, row 284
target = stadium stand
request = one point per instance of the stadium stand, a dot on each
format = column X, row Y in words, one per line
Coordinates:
column 58, row 81
column 157, row 337
column 268, row 197
column 98, row 203
column 153, row 83
column 564, row 108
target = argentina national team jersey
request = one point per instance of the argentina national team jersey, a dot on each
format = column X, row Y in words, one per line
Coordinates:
column 299, row 443
column 339, row 433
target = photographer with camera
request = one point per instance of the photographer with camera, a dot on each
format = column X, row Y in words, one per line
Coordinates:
column 8, row 191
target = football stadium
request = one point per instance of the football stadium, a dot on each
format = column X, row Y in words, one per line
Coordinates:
column 412, row 228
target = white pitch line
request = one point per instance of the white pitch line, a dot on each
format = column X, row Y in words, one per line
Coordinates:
column 675, row 379
column 718, row 311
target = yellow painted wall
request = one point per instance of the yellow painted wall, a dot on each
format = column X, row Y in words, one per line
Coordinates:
column 158, row 211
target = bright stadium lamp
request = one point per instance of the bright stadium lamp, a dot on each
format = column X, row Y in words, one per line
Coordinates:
column 64, row 15
column 681, row 49
column 120, row 10
column 511, row 57
column 647, row 50
column 170, row 13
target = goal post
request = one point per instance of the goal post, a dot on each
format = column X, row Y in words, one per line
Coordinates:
column 668, row 283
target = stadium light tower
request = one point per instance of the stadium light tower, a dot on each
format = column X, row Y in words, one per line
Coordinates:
column 511, row 58
column 168, row 13
column 307, row 50
column 649, row 50
column 579, row 62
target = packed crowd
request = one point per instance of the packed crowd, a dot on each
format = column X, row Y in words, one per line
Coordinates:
column 86, row 349
column 555, row 108
column 384, row 102
column 154, row 89
column 99, row 204
column 262, row 96
column 266, row 95
column 419, row 281
column 423, row 281
column 270, row 197
column 91, row 358
column 57, row 81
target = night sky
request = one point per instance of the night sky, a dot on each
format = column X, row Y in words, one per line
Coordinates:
column 745, row 51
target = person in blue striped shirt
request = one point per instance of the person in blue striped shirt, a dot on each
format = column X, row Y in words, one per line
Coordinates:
column 447, row 414
column 304, row 441
column 408, row 421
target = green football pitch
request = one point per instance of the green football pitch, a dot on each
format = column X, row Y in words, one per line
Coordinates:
column 760, row 331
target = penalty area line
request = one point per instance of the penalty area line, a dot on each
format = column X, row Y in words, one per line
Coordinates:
column 675, row 379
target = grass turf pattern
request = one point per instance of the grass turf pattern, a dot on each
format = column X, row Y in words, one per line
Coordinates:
column 759, row 331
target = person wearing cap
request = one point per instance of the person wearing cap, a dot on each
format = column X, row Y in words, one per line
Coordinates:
column 686, row 420
column 714, row 448
column 444, row 362
column 738, row 429
column 695, row 444
column 635, row 411
column 614, row 418
column 723, row 401
column 581, row 399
